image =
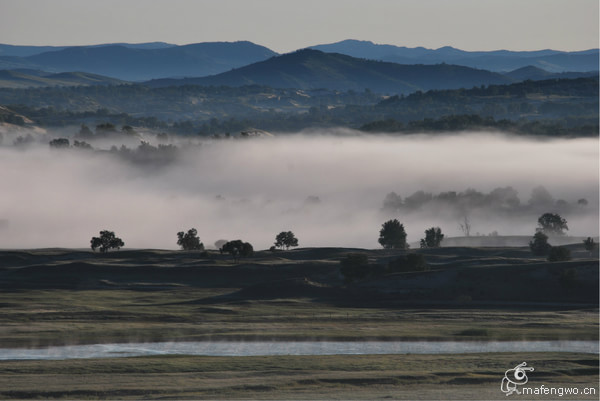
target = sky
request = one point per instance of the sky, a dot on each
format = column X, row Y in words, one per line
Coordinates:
column 287, row 25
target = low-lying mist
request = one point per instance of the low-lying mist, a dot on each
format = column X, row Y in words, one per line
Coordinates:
column 330, row 190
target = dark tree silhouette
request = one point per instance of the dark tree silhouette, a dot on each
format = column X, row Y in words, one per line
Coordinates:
column 539, row 244
column 106, row 241
column 552, row 224
column 59, row 143
column 433, row 238
column 392, row 235
column 559, row 254
column 238, row 248
column 286, row 239
column 189, row 241
column 589, row 244
column 466, row 227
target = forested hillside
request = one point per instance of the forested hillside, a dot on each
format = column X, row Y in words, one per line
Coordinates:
column 551, row 107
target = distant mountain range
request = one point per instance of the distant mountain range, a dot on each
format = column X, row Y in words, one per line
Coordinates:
column 347, row 65
column 144, row 61
column 312, row 69
column 25, row 51
column 498, row 61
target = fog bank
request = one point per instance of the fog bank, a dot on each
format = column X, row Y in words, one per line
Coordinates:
column 329, row 190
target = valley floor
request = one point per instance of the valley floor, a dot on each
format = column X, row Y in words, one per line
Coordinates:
column 56, row 296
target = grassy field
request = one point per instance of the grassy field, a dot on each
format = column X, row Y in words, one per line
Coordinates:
column 53, row 317
column 429, row 377
column 58, row 296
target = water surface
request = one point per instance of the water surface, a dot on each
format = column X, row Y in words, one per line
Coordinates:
column 266, row 348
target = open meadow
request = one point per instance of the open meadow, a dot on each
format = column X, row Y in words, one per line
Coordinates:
column 62, row 297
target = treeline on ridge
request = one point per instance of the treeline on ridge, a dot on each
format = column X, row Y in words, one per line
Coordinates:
column 556, row 107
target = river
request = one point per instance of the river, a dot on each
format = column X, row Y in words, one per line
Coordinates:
column 266, row 348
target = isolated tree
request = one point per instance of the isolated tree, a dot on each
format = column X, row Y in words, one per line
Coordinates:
column 189, row 241
column 392, row 235
column 465, row 227
column 433, row 238
column 107, row 240
column 559, row 254
column 552, row 224
column 589, row 244
column 539, row 244
column 286, row 239
column 237, row 249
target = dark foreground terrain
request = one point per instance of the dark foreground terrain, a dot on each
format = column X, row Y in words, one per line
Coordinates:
column 58, row 296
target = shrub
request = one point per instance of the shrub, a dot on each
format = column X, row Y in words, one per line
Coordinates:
column 474, row 332
column 559, row 254
column 354, row 266
column 539, row 245
column 589, row 244
column 412, row 262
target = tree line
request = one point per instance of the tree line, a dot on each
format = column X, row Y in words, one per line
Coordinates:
column 563, row 107
column 392, row 235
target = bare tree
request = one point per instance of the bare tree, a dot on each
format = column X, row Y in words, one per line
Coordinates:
column 465, row 226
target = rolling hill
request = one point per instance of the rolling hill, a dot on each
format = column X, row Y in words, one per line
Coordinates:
column 35, row 78
column 25, row 51
column 539, row 74
column 144, row 61
column 498, row 61
column 310, row 69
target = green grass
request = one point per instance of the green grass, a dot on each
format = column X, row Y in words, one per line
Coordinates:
column 35, row 318
column 471, row 376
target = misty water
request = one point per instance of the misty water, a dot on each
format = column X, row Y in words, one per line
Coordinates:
column 266, row 348
column 327, row 187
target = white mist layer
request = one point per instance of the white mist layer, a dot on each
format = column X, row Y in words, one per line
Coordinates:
column 254, row 189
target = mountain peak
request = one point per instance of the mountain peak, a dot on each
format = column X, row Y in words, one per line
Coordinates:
column 313, row 69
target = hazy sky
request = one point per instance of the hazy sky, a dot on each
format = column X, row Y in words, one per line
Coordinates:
column 284, row 25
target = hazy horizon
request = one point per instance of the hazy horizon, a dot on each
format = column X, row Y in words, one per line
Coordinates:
column 287, row 26
column 327, row 187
